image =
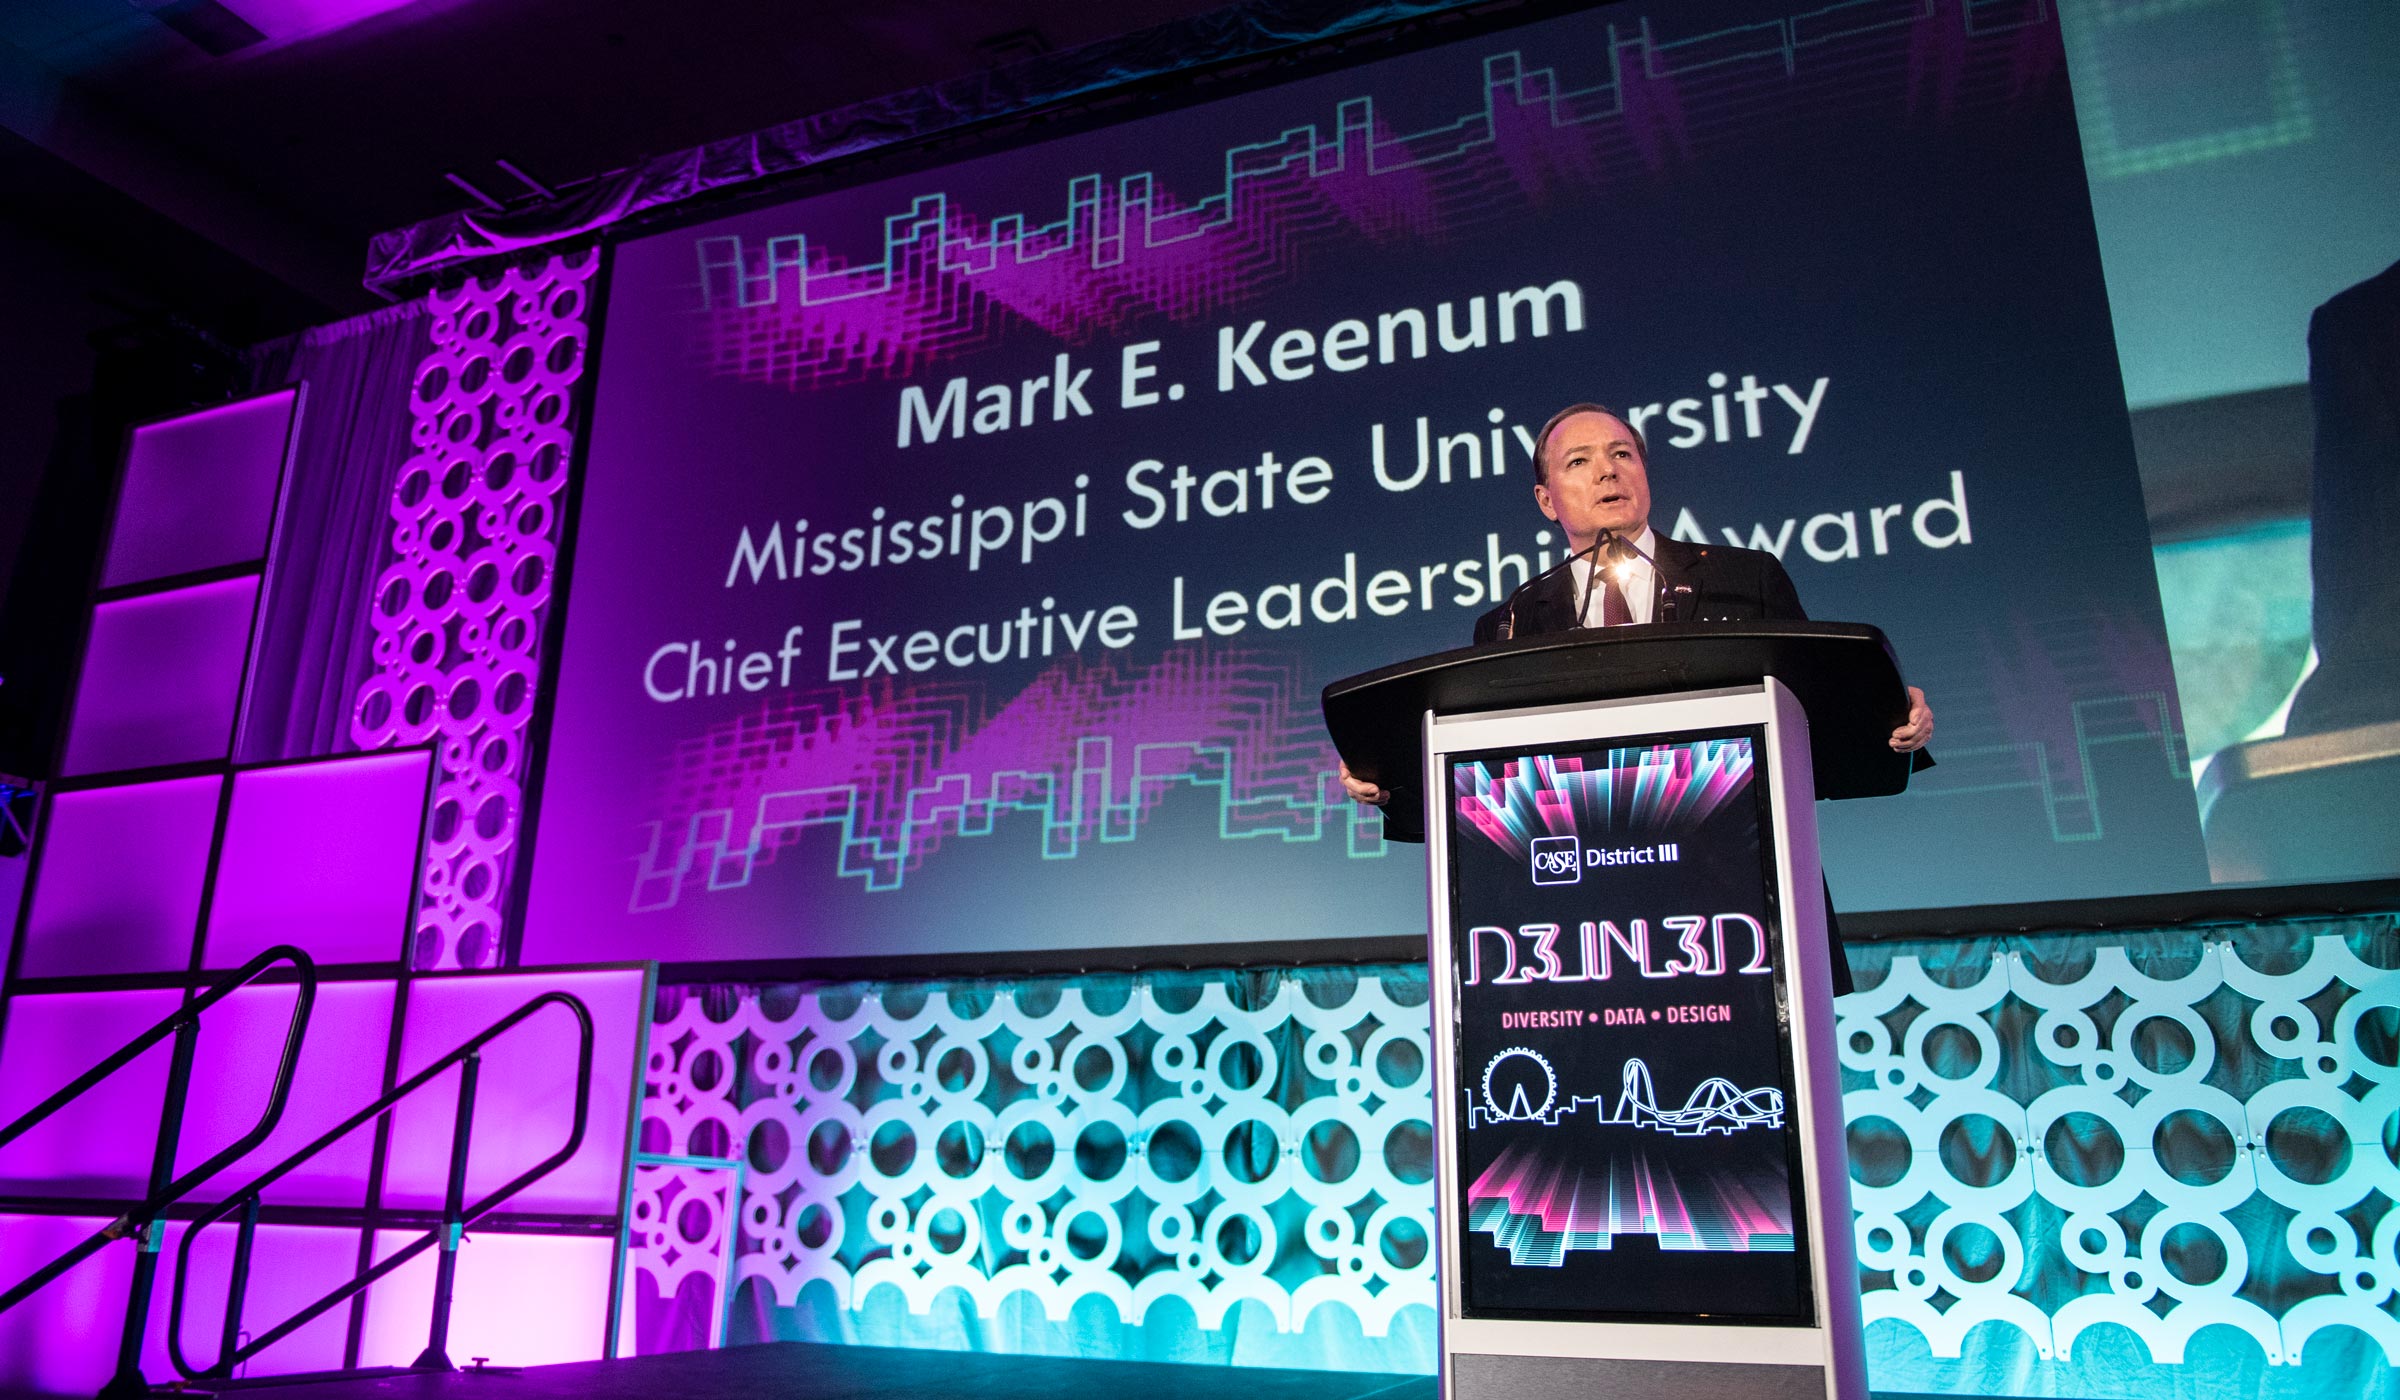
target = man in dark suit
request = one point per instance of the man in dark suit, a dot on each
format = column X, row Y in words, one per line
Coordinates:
column 2354, row 383
column 1592, row 476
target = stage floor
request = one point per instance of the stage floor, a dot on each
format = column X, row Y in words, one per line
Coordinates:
column 801, row 1371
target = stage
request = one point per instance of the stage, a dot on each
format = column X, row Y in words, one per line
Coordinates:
column 847, row 762
column 805, row 1371
column 802, row 1371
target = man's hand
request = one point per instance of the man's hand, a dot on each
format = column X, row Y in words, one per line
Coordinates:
column 1908, row 738
column 1361, row 790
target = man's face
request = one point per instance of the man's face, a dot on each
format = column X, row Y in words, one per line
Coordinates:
column 1597, row 479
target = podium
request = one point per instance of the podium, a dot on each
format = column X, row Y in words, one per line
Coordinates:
column 1641, row 1182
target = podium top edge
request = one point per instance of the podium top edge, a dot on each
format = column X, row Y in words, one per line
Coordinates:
column 1843, row 673
column 1581, row 639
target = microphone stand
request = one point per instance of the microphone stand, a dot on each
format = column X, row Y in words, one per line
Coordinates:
column 1611, row 541
column 1508, row 624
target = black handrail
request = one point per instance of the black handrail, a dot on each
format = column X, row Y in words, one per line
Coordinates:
column 146, row 1217
column 456, row 1214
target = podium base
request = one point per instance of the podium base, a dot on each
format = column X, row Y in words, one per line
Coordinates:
column 1586, row 1378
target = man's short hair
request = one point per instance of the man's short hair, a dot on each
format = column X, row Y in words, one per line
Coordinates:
column 1541, row 440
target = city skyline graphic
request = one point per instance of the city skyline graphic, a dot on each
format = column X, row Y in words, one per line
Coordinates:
column 1716, row 1105
column 807, row 306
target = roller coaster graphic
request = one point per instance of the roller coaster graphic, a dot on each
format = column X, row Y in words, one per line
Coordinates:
column 1718, row 1105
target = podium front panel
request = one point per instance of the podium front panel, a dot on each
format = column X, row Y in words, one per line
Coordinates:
column 1626, row 1148
column 1637, row 1116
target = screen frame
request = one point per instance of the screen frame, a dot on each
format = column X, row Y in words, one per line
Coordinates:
column 1229, row 72
column 1834, row 1344
column 1802, row 1258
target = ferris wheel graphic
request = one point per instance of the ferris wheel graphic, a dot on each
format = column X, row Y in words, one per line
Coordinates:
column 1519, row 1086
column 1508, row 1075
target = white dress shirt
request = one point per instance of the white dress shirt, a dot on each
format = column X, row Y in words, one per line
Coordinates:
column 1638, row 582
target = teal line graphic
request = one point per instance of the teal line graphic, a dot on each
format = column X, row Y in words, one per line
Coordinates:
column 789, row 309
column 726, row 855
column 1092, row 749
column 2071, row 799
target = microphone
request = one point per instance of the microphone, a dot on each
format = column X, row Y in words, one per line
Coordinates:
column 1508, row 624
column 1612, row 542
column 1625, row 542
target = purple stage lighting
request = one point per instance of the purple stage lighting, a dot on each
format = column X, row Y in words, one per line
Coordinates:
column 160, row 678
column 233, row 1071
column 99, row 1144
column 200, row 490
column 63, row 1339
column 525, row 1102
column 86, row 917
column 291, row 1266
column 322, row 856
column 522, row 1300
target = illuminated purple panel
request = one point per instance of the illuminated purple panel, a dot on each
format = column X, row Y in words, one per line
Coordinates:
column 341, row 1067
column 522, row 1300
column 322, row 856
column 291, row 1266
column 12, row 889
column 523, row 1106
column 200, row 490
column 99, row 1144
column 87, row 915
column 161, row 677
column 62, row 1340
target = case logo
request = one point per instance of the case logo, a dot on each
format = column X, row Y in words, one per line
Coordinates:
column 1557, row 860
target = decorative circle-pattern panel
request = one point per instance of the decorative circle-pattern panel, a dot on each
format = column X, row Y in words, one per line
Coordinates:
column 1206, row 1138
column 2149, row 1133
column 459, row 608
column 2169, row 1136
column 682, row 1232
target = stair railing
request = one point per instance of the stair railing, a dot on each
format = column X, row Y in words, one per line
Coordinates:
column 146, row 1222
column 457, row 1214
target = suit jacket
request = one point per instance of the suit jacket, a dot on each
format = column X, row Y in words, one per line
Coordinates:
column 1696, row 583
column 2354, row 385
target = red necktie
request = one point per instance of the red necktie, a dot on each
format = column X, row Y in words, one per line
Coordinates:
column 1613, row 609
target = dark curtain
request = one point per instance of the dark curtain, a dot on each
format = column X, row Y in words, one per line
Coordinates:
column 334, row 534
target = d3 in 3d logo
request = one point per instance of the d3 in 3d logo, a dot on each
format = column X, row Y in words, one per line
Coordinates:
column 1557, row 860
